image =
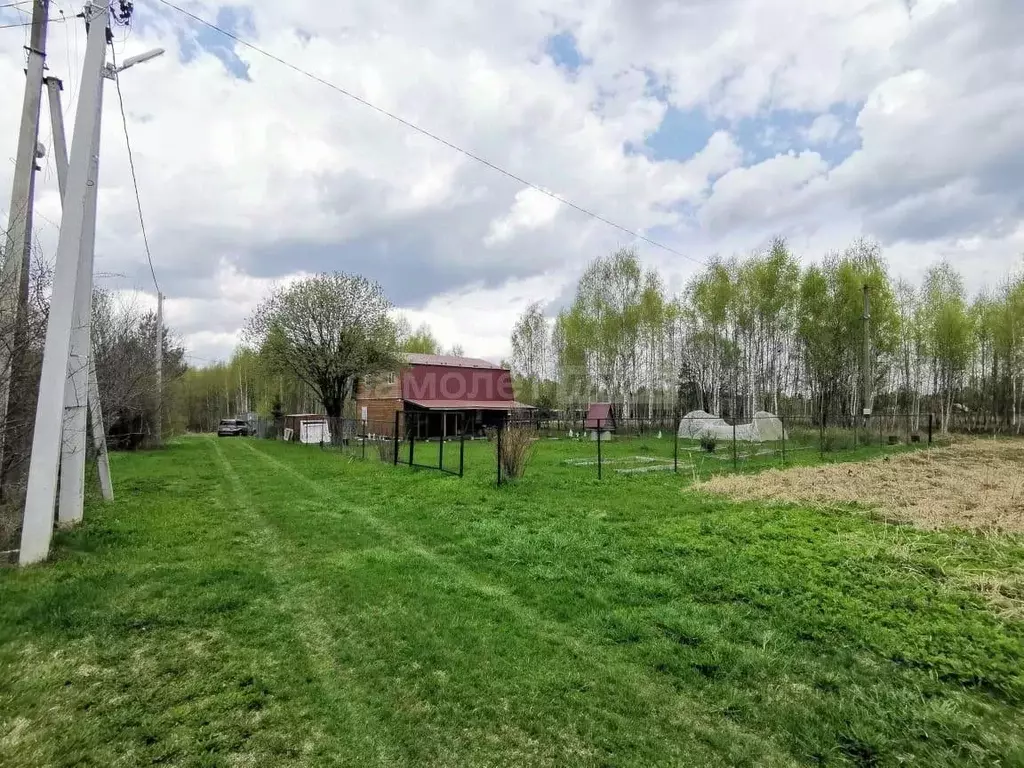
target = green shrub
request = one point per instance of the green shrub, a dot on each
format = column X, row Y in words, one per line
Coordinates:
column 385, row 449
column 708, row 442
column 516, row 450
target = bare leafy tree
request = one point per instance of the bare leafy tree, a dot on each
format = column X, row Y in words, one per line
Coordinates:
column 123, row 335
column 530, row 343
column 27, row 348
column 421, row 340
column 327, row 330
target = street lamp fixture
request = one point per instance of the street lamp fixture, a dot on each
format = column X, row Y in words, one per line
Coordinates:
column 110, row 71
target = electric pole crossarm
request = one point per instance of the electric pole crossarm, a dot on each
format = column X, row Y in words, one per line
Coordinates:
column 60, row 143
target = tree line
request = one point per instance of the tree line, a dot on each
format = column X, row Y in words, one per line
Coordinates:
column 304, row 349
column 745, row 334
column 763, row 332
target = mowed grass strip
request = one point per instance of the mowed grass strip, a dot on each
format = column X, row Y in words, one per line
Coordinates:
column 255, row 602
column 764, row 604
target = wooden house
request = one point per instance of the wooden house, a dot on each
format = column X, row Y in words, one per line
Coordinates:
column 438, row 396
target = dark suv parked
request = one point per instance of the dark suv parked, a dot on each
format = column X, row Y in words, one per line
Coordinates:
column 232, row 428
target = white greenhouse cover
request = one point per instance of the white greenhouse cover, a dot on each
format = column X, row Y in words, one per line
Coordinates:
column 765, row 427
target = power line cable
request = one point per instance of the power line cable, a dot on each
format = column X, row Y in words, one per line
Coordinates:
column 27, row 24
column 425, row 132
column 15, row 5
column 131, row 165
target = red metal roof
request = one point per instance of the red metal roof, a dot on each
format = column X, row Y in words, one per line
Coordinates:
column 450, row 361
column 602, row 411
column 471, row 405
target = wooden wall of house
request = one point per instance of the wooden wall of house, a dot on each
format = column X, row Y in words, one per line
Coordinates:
column 380, row 389
column 380, row 414
column 381, row 398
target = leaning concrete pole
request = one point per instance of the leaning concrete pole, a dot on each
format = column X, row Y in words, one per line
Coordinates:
column 37, row 529
column 159, row 365
column 18, row 242
column 80, row 374
column 866, row 362
column 99, row 433
column 60, row 151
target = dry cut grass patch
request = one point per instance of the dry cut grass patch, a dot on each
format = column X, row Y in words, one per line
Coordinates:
column 975, row 484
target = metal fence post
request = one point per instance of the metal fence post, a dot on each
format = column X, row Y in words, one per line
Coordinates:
column 440, row 448
column 462, row 451
column 364, row 441
column 501, row 426
column 394, row 438
column 930, row 423
column 675, row 451
column 599, row 449
column 412, row 443
column 783, row 420
column 735, row 455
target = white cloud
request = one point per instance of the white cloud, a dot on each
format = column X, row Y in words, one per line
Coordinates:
column 479, row 319
column 824, row 130
column 245, row 183
column 532, row 209
column 764, row 193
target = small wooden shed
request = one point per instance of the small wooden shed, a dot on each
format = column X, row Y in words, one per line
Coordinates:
column 600, row 421
column 306, row 428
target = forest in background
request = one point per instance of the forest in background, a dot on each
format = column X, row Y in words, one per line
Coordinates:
column 760, row 332
column 254, row 381
column 763, row 332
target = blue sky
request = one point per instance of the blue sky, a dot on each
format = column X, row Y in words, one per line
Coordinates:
column 233, row 18
column 684, row 132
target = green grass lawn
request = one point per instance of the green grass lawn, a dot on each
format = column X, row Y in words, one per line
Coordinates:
column 257, row 603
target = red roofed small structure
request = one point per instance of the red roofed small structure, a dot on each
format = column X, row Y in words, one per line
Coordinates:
column 440, row 396
column 600, row 416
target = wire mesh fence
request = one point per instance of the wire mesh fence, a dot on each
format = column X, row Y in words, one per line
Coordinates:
column 434, row 440
column 428, row 440
column 607, row 448
column 359, row 439
column 699, row 445
column 413, row 439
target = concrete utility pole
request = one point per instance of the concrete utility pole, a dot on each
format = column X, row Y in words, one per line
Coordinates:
column 159, row 366
column 80, row 388
column 866, row 364
column 18, row 245
column 37, row 529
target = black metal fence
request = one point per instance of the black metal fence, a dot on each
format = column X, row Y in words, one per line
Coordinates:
column 360, row 439
column 620, row 447
column 701, row 445
column 412, row 439
column 428, row 440
column 431, row 441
